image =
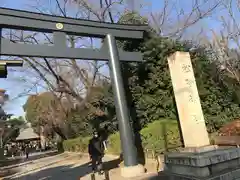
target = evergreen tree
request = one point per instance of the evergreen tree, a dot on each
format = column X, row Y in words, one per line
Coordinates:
column 151, row 86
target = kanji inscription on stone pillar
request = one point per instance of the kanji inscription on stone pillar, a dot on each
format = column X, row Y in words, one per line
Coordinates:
column 189, row 108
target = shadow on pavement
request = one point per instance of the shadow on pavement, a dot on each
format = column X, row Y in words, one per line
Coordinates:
column 112, row 164
column 70, row 172
column 58, row 173
column 11, row 167
column 16, row 161
column 73, row 172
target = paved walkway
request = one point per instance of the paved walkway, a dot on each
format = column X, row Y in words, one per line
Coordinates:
column 11, row 162
column 67, row 166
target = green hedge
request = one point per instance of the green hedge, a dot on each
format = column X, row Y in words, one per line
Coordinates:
column 161, row 136
column 79, row 144
column 114, row 144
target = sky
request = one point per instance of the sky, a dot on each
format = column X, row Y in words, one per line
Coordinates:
column 14, row 88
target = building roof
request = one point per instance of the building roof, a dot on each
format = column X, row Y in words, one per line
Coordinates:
column 27, row 134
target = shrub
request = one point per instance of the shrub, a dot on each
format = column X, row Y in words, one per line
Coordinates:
column 79, row 144
column 230, row 129
column 162, row 135
column 114, row 144
column 212, row 137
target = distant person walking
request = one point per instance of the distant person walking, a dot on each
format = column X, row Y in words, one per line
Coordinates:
column 96, row 153
column 22, row 149
column 13, row 150
column 27, row 149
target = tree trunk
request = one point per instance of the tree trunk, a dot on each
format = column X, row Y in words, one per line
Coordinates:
column 60, row 144
column 59, row 132
column 42, row 138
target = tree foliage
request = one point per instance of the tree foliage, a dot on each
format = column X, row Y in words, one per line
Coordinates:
column 102, row 100
column 12, row 128
column 46, row 110
column 67, row 120
column 3, row 98
column 231, row 129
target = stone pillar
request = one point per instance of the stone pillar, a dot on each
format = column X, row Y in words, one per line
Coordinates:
column 199, row 161
column 188, row 102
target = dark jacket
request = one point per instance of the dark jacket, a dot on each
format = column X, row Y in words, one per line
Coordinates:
column 103, row 135
column 95, row 147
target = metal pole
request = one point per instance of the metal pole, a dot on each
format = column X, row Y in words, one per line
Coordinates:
column 123, row 115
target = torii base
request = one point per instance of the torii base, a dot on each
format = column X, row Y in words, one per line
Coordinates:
column 132, row 171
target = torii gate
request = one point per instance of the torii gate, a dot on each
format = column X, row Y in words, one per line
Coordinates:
column 60, row 27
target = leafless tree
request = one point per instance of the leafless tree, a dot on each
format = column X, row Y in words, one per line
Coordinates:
column 172, row 18
column 71, row 78
column 224, row 42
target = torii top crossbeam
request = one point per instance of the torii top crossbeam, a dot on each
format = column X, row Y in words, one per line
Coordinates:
column 60, row 27
column 31, row 21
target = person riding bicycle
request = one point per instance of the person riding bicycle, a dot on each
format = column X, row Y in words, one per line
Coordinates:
column 96, row 152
